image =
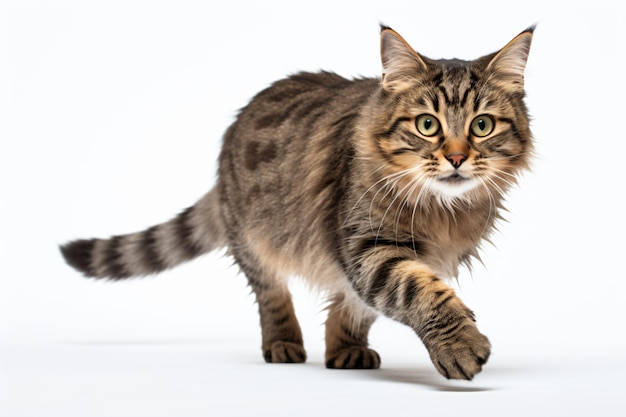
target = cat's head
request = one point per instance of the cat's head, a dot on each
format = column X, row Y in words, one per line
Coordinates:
column 450, row 128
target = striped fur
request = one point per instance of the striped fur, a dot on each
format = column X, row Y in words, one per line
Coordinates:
column 375, row 191
column 193, row 232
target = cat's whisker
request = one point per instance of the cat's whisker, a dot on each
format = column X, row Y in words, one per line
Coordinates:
column 409, row 201
column 390, row 185
column 511, row 181
column 406, row 193
column 493, row 186
column 397, row 195
column 364, row 194
column 507, row 182
column 507, row 158
column 492, row 205
column 417, row 205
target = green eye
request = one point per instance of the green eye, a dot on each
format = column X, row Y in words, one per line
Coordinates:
column 482, row 126
column 427, row 125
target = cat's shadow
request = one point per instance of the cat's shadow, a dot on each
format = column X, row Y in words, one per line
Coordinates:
column 424, row 377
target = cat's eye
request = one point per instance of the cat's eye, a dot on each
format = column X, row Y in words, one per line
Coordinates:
column 482, row 126
column 427, row 125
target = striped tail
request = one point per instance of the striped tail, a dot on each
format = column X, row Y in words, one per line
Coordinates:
column 195, row 231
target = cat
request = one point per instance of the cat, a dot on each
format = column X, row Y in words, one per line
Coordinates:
column 375, row 190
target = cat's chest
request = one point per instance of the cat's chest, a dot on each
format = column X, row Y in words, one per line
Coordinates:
column 445, row 259
column 445, row 247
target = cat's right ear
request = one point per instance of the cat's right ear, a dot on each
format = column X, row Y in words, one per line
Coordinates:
column 507, row 66
column 401, row 63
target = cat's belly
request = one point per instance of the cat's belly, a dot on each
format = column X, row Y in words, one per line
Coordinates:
column 315, row 264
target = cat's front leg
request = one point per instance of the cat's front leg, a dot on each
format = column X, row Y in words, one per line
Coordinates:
column 406, row 290
column 347, row 327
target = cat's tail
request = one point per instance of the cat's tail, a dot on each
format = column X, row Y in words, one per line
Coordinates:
column 194, row 232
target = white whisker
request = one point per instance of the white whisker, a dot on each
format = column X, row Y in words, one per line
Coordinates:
column 492, row 207
column 395, row 198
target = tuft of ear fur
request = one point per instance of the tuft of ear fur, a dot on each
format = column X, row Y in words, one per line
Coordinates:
column 400, row 62
column 508, row 65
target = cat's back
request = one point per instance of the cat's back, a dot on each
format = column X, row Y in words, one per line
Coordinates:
column 285, row 159
column 301, row 86
column 291, row 125
column 304, row 99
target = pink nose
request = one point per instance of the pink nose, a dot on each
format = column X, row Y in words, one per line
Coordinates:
column 456, row 159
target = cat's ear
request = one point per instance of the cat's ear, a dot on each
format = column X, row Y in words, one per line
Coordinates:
column 401, row 64
column 508, row 65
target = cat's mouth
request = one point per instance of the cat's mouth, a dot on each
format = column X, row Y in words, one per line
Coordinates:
column 454, row 185
column 454, row 178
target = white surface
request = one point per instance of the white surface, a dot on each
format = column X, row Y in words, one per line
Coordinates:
column 112, row 122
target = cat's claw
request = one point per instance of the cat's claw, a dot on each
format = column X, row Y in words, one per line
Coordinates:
column 354, row 357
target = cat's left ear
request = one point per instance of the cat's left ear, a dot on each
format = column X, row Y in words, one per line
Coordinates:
column 508, row 65
column 401, row 64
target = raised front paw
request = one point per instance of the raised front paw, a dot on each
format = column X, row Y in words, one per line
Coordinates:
column 462, row 354
column 353, row 357
column 284, row 352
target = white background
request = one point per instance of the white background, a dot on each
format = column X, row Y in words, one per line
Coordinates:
column 111, row 122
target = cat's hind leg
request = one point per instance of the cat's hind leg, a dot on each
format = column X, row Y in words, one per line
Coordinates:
column 282, row 337
column 346, row 337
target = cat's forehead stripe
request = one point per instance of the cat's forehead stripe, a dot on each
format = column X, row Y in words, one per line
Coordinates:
column 454, row 84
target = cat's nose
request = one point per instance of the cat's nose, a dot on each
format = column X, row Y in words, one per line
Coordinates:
column 456, row 159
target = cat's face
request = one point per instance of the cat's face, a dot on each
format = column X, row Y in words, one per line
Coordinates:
column 452, row 128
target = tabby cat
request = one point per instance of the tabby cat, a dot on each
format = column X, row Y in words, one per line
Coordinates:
column 375, row 190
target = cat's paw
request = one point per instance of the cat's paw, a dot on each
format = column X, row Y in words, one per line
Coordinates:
column 354, row 357
column 284, row 352
column 463, row 356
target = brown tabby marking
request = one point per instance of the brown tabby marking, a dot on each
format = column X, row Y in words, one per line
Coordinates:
column 257, row 153
column 375, row 190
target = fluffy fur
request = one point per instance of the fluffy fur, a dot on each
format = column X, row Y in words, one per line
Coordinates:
column 375, row 190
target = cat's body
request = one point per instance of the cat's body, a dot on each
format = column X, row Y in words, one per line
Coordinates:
column 372, row 190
